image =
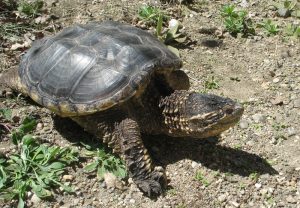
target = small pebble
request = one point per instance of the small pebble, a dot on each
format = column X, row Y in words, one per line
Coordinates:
column 276, row 80
column 68, row 177
column 291, row 131
column 131, row 201
column 258, row 185
column 222, row 197
column 259, row 118
column 297, row 103
column 35, row 199
column 235, row 204
column 291, row 200
column 194, row 164
column 244, row 124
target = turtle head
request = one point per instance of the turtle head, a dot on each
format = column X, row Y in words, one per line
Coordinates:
column 199, row 115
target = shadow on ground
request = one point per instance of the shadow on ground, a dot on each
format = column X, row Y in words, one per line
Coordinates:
column 167, row 150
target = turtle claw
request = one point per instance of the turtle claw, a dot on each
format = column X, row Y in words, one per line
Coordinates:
column 154, row 184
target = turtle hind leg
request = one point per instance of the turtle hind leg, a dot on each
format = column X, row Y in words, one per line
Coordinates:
column 150, row 180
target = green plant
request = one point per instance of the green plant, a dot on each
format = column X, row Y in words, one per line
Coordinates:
column 150, row 14
column 200, row 177
column 287, row 8
column 36, row 167
column 236, row 21
column 30, row 8
column 269, row 27
column 104, row 162
column 254, row 176
column 211, row 83
column 292, row 30
column 12, row 30
column 5, row 113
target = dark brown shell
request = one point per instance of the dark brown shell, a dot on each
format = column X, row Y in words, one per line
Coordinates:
column 89, row 68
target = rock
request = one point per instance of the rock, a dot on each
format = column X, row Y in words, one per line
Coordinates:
column 112, row 181
column 223, row 197
column 283, row 12
column 131, row 201
column 234, row 203
column 244, row 124
column 291, row 131
column 277, row 101
column 35, row 199
column 258, row 185
column 194, row 164
column 297, row 103
column 68, row 177
column 259, row 118
column 39, row 126
column 276, row 80
column 291, row 200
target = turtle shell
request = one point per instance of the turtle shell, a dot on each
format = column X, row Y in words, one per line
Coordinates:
column 89, row 68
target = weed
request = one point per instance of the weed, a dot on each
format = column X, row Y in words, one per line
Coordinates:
column 171, row 192
column 13, row 31
column 104, row 162
column 211, row 83
column 6, row 113
column 279, row 126
column 30, row 8
column 254, row 176
column 242, row 185
column 292, row 30
column 269, row 27
column 200, row 177
column 286, row 8
column 150, row 14
column 36, row 167
column 236, row 21
column 157, row 18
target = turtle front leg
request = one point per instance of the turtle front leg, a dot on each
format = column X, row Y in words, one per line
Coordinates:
column 149, row 179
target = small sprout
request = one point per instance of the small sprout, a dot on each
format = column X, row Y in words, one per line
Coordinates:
column 254, row 176
column 104, row 162
column 171, row 192
column 211, row 83
column 292, row 30
column 236, row 21
column 286, row 8
column 6, row 113
column 200, row 177
column 150, row 14
column 269, row 27
column 30, row 9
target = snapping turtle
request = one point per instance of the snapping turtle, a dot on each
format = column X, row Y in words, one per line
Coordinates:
column 118, row 81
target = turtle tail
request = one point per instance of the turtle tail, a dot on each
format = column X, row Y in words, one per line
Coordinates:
column 11, row 79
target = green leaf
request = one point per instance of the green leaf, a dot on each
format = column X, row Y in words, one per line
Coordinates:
column 100, row 172
column 159, row 25
column 91, row 167
column 28, row 140
column 40, row 191
column 21, row 203
column 56, row 166
column 28, row 125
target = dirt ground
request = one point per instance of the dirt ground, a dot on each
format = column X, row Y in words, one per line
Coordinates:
column 254, row 164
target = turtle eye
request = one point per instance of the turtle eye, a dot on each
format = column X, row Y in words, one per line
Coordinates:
column 229, row 111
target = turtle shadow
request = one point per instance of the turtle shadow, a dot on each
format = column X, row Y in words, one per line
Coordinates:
column 167, row 150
